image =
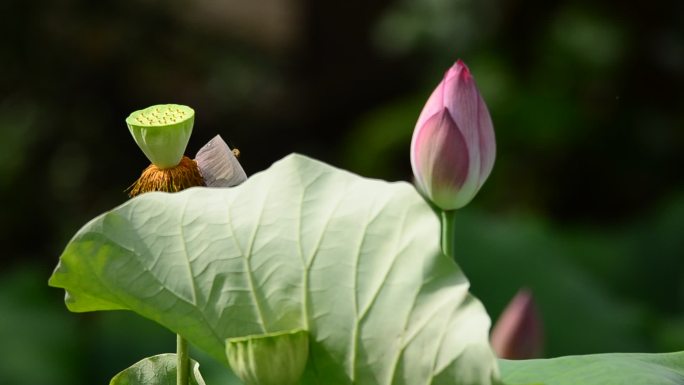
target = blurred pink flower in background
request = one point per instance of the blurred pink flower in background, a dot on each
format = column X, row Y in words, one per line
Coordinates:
column 518, row 334
column 453, row 146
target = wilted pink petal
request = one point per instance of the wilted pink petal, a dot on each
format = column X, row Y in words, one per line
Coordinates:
column 459, row 96
column 218, row 165
column 518, row 334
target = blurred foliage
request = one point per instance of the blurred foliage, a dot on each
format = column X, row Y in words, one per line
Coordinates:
column 584, row 205
column 620, row 288
column 45, row 344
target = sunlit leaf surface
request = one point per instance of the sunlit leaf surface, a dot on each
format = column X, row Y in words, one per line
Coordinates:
column 598, row 369
column 156, row 370
column 354, row 261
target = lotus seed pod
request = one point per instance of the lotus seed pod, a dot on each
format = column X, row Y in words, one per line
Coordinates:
column 162, row 132
column 269, row 359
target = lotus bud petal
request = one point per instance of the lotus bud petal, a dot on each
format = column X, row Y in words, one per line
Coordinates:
column 269, row 359
column 453, row 146
column 218, row 165
column 162, row 132
column 518, row 334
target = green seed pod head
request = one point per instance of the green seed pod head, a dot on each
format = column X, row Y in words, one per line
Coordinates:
column 162, row 132
column 269, row 359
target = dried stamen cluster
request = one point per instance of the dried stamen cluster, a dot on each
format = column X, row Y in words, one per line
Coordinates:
column 173, row 179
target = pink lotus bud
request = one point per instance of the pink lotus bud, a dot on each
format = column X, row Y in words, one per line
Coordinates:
column 453, row 146
column 518, row 333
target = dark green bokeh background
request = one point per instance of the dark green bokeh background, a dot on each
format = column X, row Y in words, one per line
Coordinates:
column 585, row 205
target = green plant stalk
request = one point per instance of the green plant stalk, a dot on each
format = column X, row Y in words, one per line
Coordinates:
column 448, row 217
column 183, row 364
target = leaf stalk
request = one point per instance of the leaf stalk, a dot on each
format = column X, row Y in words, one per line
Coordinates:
column 183, row 364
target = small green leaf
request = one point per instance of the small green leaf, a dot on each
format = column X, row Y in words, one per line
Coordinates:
column 598, row 369
column 156, row 370
column 269, row 359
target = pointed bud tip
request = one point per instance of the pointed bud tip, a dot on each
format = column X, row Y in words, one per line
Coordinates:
column 523, row 298
column 458, row 69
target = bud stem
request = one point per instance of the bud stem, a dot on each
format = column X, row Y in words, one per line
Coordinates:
column 183, row 364
column 448, row 217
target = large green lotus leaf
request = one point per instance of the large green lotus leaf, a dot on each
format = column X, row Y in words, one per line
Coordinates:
column 354, row 261
column 598, row 369
column 156, row 370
